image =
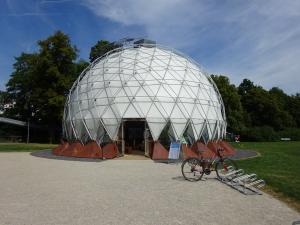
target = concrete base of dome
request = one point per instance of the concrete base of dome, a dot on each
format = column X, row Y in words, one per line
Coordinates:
column 90, row 150
column 159, row 152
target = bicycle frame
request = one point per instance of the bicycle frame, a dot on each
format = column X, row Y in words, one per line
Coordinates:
column 209, row 163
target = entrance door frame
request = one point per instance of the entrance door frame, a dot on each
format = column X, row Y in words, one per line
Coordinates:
column 146, row 147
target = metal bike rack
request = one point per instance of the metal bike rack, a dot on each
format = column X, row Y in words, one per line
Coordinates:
column 245, row 183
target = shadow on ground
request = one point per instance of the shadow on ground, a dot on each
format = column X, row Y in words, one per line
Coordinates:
column 244, row 154
column 240, row 154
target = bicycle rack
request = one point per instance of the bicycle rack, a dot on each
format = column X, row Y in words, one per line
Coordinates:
column 245, row 183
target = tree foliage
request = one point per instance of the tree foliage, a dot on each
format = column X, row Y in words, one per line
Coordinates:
column 40, row 81
column 101, row 48
column 232, row 102
column 4, row 99
column 294, row 108
column 257, row 113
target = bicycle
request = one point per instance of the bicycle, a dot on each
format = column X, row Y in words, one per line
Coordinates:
column 193, row 169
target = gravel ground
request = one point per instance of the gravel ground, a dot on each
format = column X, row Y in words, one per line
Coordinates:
column 36, row 190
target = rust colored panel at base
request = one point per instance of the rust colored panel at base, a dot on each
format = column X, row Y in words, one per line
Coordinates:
column 159, row 152
column 228, row 148
column 90, row 150
column 188, row 152
column 59, row 149
column 213, row 145
column 206, row 152
column 193, row 151
column 74, row 149
column 110, row 151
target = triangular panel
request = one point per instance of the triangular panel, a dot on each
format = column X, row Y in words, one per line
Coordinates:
column 131, row 112
column 122, row 108
column 205, row 134
column 156, row 126
column 111, row 127
column 197, row 125
column 179, row 126
column 144, row 107
column 154, row 112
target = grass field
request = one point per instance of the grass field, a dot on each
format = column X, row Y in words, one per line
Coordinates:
column 21, row 147
column 278, row 165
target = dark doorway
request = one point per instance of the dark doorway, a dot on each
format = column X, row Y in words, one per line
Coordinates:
column 134, row 137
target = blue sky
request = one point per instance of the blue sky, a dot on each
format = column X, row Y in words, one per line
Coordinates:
column 259, row 40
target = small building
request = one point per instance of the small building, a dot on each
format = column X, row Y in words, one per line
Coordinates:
column 138, row 99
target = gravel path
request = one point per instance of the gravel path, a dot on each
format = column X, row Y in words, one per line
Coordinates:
column 35, row 190
column 244, row 154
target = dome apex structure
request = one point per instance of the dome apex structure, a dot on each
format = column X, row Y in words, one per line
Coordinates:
column 143, row 83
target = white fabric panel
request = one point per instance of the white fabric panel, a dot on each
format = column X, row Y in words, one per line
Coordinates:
column 78, row 125
column 217, row 135
column 92, row 126
column 156, row 126
column 132, row 112
column 197, row 125
column 111, row 126
column 122, row 108
column 179, row 126
column 154, row 112
column 144, row 107
column 205, row 133
column 190, row 133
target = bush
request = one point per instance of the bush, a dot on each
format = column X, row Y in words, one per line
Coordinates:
column 264, row 133
column 267, row 133
column 293, row 133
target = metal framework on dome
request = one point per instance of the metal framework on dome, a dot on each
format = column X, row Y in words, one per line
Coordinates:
column 144, row 82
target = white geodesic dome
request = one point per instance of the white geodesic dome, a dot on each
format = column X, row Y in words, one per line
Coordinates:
column 144, row 82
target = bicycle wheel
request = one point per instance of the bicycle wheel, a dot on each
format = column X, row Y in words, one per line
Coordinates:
column 224, row 167
column 191, row 169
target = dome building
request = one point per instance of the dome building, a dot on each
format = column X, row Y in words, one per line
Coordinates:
column 138, row 99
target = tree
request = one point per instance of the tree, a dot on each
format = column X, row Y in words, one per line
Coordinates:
column 232, row 102
column 263, row 109
column 3, row 100
column 245, row 87
column 280, row 97
column 101, row 48
column 294, row 108
column 21, row 85
column 80, row 66
column 40, row 81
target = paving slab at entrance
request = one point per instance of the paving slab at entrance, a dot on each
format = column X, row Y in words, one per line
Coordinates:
column 36, row 190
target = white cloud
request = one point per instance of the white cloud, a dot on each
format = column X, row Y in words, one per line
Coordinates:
column 257, row 39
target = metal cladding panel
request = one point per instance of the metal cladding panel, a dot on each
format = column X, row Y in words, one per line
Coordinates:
column 155, row 84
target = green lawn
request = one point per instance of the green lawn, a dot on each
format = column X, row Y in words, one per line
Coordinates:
column 22, row 147
column 278, row 165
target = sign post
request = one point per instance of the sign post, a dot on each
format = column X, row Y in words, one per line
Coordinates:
column 174, row 150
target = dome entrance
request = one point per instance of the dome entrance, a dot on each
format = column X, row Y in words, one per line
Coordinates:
column 134, row 138
column 153, row 91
